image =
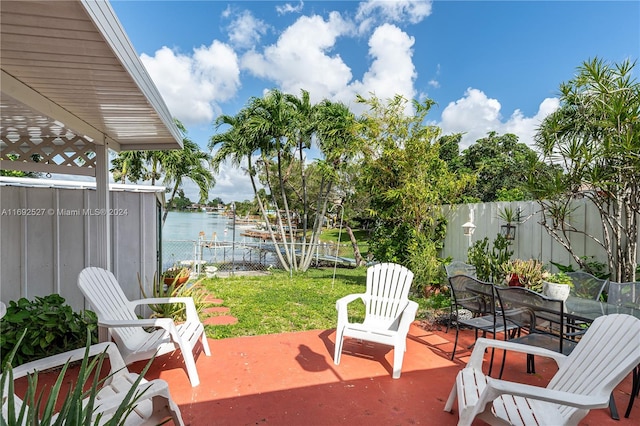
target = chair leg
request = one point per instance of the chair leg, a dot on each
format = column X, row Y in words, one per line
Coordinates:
column 338, row 347
column 455, row 342
column 612, row 408
column 635, row 390
column 448, row 407
column 168, row 408
column 493, row 351
column 398, row 357
column 205, row 344
column 531, row 366
column 504, row 358
column 190, row 363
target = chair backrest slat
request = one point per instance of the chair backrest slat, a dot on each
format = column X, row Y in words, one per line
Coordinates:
column 109, row 302
column 388, row 286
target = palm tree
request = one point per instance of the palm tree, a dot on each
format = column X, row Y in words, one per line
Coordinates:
column 240, row 142
column 276, row 128
column 128, row 165
column 188, row 163
column 175, row 166
column 336, row 132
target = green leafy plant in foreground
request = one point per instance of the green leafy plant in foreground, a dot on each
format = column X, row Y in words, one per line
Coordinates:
column 53, row 327
column 78, row 405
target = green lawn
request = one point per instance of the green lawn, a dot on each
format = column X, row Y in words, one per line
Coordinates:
column 346, row 250
column 279, row 303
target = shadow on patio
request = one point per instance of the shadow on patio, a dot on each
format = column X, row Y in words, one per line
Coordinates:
column 290, row 379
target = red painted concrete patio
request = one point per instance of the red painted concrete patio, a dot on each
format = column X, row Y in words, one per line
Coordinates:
column 290, row 379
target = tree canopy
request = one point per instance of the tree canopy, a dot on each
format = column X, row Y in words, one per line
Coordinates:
column 408, row 182
column 595, row 139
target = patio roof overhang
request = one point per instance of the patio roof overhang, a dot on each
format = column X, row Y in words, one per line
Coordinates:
column 73, row 87
column 71, row 80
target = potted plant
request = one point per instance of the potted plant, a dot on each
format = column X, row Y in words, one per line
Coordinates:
column 210, row 271
column 176, row 276
column 176, row 311
column 510, row 216
column 557, row 286
column 524, row 273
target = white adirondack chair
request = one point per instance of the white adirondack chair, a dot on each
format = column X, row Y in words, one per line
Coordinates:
column 607, row 352
column 389, row 312
column 153, row 407
column 117, row 313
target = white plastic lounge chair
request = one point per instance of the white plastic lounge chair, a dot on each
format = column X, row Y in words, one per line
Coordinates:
column 389, row 312
column 607, row 352
column 117, row 313
column 153, row 407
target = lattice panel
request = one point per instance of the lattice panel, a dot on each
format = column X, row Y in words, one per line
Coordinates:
column 38, row 139
column 61, row 151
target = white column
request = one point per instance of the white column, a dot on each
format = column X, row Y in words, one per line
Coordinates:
column 103, row 222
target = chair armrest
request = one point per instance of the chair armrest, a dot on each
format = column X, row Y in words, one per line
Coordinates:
column 115, row 359
column 164, row 323
column 344, row 301
column 496, row 387
column 190, row 306
column 407, row 317
column 151, row 322
column 477, row 356
column 341, row 306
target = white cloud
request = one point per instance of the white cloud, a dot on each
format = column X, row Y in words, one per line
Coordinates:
column 289, row 8
column 396, row 11
column 392, row 71
column 476, row 115
column 193, row 85
column 232, row 184
column 246, row 30
column 301, row 58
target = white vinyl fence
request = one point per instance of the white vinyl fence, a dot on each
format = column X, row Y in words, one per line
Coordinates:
column 531, row 240
column 47, row 237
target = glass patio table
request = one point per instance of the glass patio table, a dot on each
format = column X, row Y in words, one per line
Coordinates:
column 587, row 310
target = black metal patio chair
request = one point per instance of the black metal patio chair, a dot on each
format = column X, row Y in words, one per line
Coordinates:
column 477, row 297
column 542, row 321
column 586, row 285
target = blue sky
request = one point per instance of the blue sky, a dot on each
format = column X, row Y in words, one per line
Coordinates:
column 488, row 65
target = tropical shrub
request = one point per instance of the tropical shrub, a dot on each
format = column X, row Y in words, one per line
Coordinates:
column 52, row 327
column 489, row 261
column 529, row 273
column 176, row 311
